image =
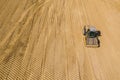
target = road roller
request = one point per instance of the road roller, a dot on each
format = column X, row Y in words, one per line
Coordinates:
column 91, row 35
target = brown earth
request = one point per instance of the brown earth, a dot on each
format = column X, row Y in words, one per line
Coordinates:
column 42, row 40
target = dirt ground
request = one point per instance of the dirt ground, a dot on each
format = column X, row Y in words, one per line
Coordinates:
column 42, row 40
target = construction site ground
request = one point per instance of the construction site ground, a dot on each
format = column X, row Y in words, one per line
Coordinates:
column 43, row 40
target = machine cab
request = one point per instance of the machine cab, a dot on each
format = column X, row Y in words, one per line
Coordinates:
column 92, row 34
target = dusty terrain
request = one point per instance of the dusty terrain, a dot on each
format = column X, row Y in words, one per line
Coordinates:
column 42, row 40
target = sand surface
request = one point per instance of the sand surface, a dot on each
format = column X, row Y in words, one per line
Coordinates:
column 42, row 40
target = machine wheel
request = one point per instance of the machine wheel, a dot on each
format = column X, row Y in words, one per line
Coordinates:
column 84, row 30
column 98, row 33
